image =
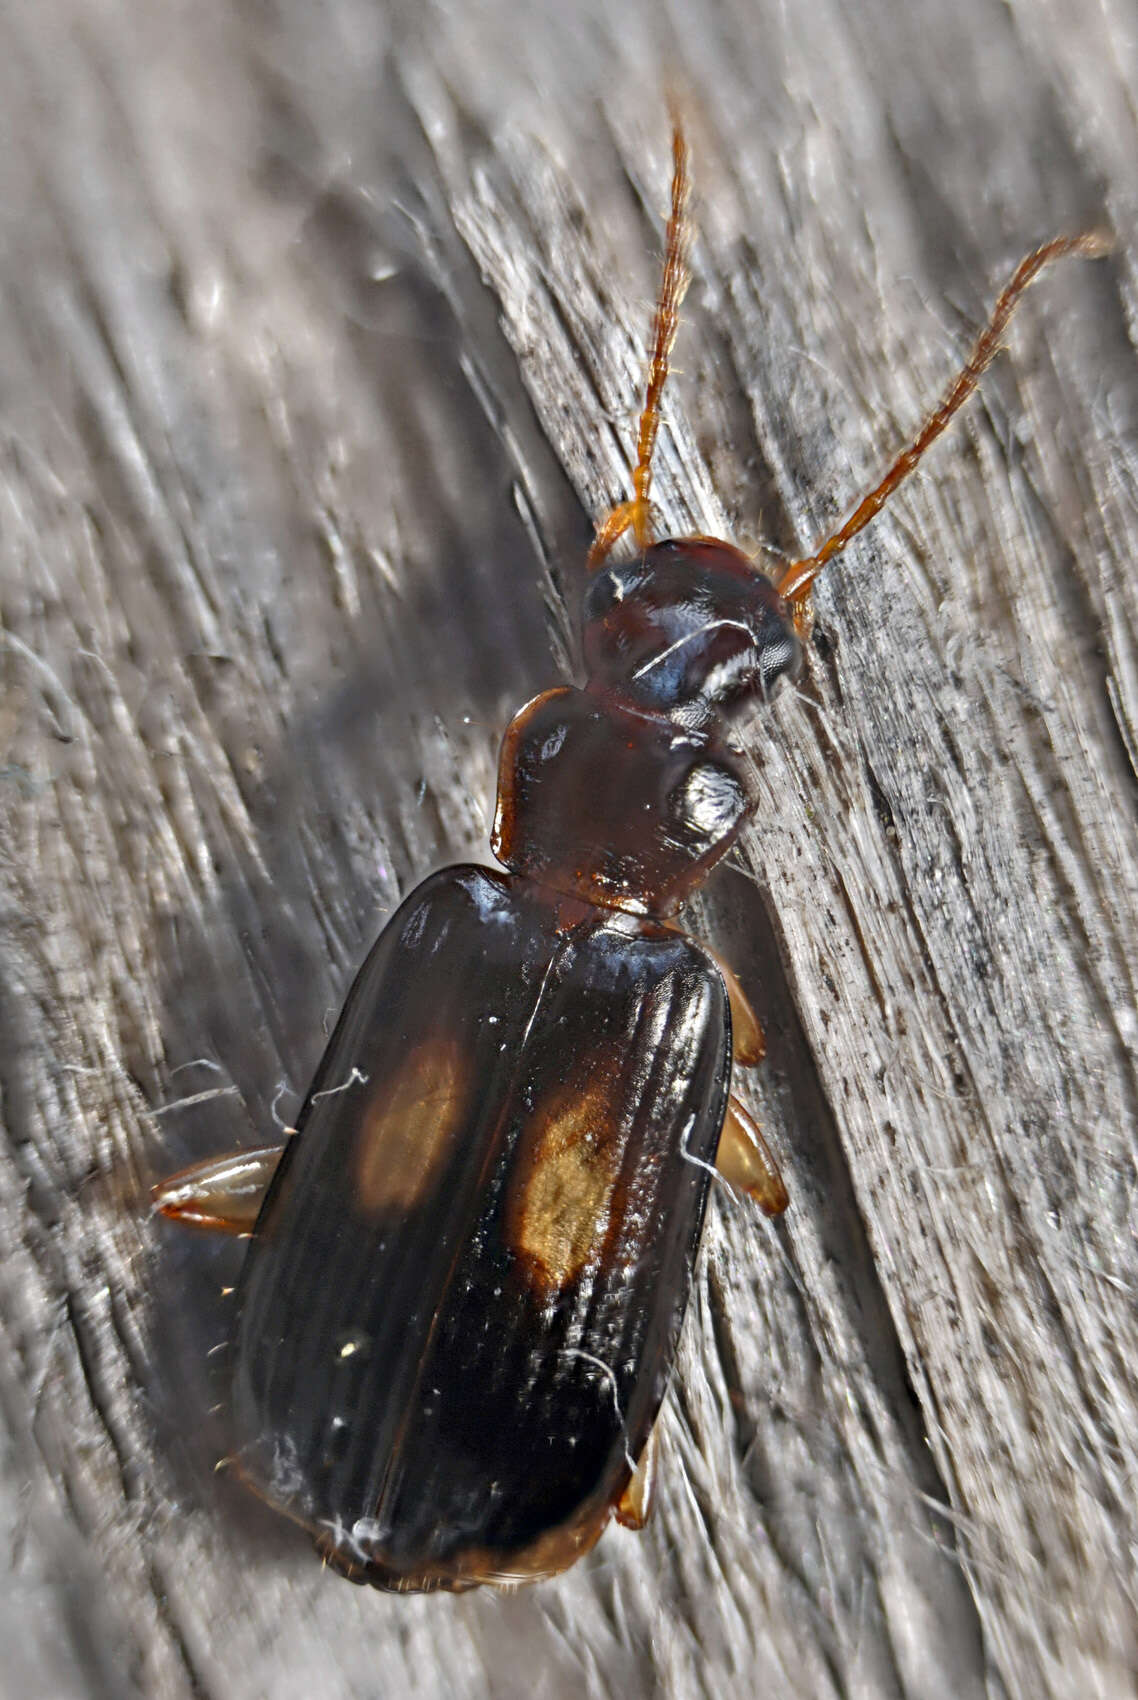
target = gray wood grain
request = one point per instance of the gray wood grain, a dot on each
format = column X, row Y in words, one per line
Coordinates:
column 321, row 335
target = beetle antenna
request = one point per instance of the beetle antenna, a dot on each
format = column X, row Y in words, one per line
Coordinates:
column 800, row 575
column 636, row 515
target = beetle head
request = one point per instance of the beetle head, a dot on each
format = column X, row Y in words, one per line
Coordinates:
column 689, row 628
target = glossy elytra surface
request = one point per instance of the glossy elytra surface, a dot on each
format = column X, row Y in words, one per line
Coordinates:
column 459, row 1309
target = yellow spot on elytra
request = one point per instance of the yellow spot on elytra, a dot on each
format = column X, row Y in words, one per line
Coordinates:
column 405, row 1133
column 559, row 1210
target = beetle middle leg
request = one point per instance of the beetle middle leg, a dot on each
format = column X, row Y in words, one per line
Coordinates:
column 223, row 1193
column 744, row 1158
column 746, row 1162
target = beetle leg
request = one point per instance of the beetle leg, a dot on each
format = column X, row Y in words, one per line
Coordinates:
column 224, row 1193
column 745, row 1161
column 634, row 1507
column 748, row 1042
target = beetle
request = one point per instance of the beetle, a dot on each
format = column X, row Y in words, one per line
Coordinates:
column 468, row 1268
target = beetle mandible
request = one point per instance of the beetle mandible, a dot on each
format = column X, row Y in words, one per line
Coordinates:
column 468, row 1267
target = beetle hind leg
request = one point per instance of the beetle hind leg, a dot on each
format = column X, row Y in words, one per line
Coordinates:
column 223, row 1193
column 634, row 1507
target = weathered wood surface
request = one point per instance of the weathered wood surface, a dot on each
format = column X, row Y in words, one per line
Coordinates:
column 321, row 332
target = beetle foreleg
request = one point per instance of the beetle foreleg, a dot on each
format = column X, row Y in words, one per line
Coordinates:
column 223, row 1193
column 745, row 1161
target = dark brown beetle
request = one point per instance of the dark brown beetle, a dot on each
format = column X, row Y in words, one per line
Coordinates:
column 468, row 1268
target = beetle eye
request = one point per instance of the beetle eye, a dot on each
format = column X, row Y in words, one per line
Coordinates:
column 780, row 658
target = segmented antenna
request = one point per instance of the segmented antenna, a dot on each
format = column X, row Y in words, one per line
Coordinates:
column 636, row 515
column 800, row 575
